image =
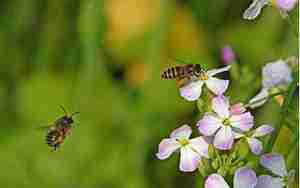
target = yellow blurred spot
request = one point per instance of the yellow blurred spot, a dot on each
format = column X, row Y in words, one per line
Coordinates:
column 135, row 74
column 128, row 18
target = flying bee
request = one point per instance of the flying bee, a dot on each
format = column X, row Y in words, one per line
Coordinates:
column 184, row 74
column 60, row 129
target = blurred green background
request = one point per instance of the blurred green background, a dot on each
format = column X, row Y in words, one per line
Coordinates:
column 104, row 58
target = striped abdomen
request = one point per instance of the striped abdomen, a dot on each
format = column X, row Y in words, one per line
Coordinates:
column 177, row 72
column 56, row 137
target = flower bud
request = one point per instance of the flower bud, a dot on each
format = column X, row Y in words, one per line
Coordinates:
column 286, row 5
column 227, row 55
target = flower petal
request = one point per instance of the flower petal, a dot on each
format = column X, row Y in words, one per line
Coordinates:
column 215, row 181
column 266, row 181
column 213, row 72
column 200, row 145
column 259, row 99
column 237, row 109
column 244, row 121
column 184, row 131
column 224, row 138
column 189, row 159
column 244, row 178
column 220, row 105
column 285, row 5
column 254, row 9
column 217, row 86
column 276, row 73
column 262, row 130
column 166, row 147
column 208, row 125
column 255, row 145
column 191, row 91
column 275, row 163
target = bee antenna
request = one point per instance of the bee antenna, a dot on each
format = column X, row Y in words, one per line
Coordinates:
column 63, row 109
column 74, row 113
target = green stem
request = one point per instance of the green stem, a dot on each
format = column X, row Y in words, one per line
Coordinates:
column 294, row 29
column 287, row 101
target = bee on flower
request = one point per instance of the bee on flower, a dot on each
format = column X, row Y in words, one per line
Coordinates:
column 192, row 91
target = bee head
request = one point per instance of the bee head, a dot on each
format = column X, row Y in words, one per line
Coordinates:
column 67, row 120
column 197, row 70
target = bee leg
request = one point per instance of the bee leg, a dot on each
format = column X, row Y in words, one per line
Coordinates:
column 55, row 147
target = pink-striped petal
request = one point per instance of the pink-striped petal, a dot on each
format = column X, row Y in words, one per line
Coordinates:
column 215, row 181
column 266, row 181
column 166, row 147
column 224, row 138
column 220, row 104
column 208, row 125
column 244, row 178
column 255, row 145
column 244, row 121
column 237, row 109
column 189, row 159
column 200, row 145
column 213, row 72
column 217, row 86
column 262, row 130
column 191, row 91
column 275, row 163
column 183, row 132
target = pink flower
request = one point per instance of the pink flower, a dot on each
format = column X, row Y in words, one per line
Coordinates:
column 275, row 163
column 191, row 150
column 223, row 123
column 192, row 91
column 256, row 145
column 227, row 55
column 243, row 178
column 285, row 5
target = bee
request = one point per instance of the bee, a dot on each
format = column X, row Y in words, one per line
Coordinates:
column 184, row 74
column 60, row 129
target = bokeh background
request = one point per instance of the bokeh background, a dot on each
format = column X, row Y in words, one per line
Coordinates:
column 104, row 58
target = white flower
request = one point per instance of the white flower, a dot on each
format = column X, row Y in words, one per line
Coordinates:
column 223, row 122
column 192, row 91
column 254, row 9
column 244, row 177
column 274, row 74
column 257, row 5
column 191, row 150
column 275, row 163
column 256, row 145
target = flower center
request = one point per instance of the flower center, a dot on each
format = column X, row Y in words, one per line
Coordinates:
column 183, row 142
column 203, row 76
column 226, row 122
